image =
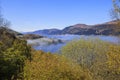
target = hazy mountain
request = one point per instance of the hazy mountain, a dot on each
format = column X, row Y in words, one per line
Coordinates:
column 75, row 29
column 108, row 28
column 45, row 32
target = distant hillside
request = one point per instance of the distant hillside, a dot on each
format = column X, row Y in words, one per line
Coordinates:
column 13, row 34
column 9, row 31
column 30, row 36
column 45, row 32
column 75, row 29
column 108, row 28
column 7, row 36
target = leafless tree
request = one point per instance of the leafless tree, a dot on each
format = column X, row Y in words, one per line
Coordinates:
column 3, row 22
column 115, row 12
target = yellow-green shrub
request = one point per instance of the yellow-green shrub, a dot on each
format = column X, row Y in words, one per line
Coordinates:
column 85, row 52
column 100, row 57
column 46, row 66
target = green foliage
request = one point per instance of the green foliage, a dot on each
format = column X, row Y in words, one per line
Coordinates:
column 101, row 58
column 53, row 67
column 83, row 59
column 13, row 53
column 110, row 69
column 85, row 52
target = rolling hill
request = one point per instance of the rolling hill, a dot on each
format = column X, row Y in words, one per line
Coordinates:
column 108, row 28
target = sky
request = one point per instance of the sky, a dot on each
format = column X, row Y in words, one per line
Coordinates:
column 31, row 15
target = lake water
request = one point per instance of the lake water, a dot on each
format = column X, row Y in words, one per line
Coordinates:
column 55, row 48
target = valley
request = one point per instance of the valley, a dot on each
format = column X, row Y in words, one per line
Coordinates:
column 59, row 40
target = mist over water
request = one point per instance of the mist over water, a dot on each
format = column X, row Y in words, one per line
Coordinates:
column 55, row 47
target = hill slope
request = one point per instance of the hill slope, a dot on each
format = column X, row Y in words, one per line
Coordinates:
column 108, row 28
column 46, row 32
column 98, row 29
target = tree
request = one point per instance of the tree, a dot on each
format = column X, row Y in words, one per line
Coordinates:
column 13, row 53
column 115, row 14
column 4, row 22
column 101, row 58
column 116, row 10
column 85, row 52
column 46, row 66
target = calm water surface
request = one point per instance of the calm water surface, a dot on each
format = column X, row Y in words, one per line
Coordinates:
column 55, row 48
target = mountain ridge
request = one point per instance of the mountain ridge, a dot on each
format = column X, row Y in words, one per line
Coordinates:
column 107, row 28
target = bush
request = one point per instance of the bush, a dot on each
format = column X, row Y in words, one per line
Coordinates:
column 85, row 52
column 46, row 66
column 13, row 53
column 100, row 57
